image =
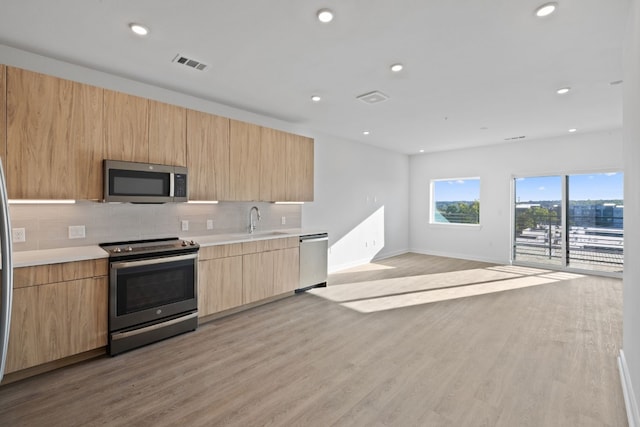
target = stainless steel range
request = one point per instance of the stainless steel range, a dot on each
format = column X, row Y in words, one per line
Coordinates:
column 152, row 291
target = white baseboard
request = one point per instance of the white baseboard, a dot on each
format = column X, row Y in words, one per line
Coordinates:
column 627, row 391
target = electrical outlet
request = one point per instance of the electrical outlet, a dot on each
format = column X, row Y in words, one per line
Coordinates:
column 18, row 235
column 284, row 220
column 209, row 224
column 77, row 232
column 185, row 225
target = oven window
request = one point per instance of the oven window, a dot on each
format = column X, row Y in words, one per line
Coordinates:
column 151, row 286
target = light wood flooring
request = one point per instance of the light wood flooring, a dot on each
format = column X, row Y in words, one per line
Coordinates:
column 498, row 346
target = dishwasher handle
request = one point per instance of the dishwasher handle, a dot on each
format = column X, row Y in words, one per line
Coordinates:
column 314, row 238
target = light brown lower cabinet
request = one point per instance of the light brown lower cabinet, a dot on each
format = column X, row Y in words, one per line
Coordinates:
column 219, row 285
column 55, row 320
column 257, row 276
column 286, row 270
column 233, row 275
column 271, row 271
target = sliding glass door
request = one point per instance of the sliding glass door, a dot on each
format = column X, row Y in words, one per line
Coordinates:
column 595, row 220
column 539, row 233
column 573, row 221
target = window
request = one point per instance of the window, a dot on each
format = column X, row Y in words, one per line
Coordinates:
column 455, row 201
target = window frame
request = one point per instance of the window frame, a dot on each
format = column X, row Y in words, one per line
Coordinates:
column 432, row 203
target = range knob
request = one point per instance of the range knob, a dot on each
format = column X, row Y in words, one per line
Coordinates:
column 184, row 243
column 192, row 243
column 129, row 249
column 116, row 250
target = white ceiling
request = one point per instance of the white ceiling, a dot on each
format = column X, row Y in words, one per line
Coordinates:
column 469, row 64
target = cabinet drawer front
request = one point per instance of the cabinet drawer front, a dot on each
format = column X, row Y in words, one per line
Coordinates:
column 292, row 242
column 63, row 272
column 264, row 245
column 220, row 251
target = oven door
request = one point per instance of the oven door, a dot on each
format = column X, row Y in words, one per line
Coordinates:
column 148, row 290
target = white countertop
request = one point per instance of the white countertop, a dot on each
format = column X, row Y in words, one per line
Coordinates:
column 82, row 253
column 223, row 239
column 55, row 256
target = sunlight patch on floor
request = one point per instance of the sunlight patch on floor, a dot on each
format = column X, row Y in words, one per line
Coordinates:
column 400, row 285
column 386, row 294
column 418, row 298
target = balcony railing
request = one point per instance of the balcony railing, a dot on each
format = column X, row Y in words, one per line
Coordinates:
column 593, row 242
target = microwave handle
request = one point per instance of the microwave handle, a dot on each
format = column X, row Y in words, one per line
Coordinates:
column 172, row 180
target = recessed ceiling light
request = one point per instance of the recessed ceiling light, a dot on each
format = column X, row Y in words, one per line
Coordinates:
column 563, row 90
column 140, row 30
column 422, row 151
column 546, row 9
column 396, row 68
column 366, row 132
column 325, row 15
column 316, row 98
column 572, row 130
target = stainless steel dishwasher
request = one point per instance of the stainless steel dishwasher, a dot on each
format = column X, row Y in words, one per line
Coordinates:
column 313, row 261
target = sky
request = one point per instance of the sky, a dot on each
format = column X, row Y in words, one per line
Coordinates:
column 457, row 190
column 600, row 186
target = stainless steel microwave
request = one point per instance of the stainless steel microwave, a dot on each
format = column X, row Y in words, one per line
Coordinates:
column 144, row 182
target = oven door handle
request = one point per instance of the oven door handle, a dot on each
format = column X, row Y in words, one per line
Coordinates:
column 151, row 261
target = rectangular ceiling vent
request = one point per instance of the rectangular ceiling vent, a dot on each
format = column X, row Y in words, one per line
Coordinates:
column 513, row 138
column 374, row 97
column 189, row 62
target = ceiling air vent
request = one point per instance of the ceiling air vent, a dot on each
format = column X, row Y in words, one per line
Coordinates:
column 189, row 62
column 374, row 97
column 515, row 137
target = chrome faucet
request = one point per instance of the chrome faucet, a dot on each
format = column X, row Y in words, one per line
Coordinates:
column 252, row 225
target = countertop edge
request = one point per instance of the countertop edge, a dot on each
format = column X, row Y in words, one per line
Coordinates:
column 90, row 252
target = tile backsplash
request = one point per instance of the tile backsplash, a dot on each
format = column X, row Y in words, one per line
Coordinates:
column 47, row 226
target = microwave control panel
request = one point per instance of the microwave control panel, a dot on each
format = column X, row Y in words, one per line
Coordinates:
column 180, row 185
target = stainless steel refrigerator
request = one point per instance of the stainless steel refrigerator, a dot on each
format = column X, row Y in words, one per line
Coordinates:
column 7, row 272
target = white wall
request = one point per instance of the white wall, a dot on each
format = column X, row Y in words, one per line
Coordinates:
column 361, row 198
column 496, row 166
column 631, row 147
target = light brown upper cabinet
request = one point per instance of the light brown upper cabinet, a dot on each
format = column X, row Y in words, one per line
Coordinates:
column 126, row 130
column 3, row 115
column 207, row 156
column 299, row 161
column 54, row 137
column 167, row 134
column 273, row 170
column 244, row 164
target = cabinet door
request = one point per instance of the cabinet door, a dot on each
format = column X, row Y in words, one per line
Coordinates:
column 54, row 137
column 167, row 134
column 87, row 314
column 219, row 285
column 257, row 276
column 126, row 133
column 3, row 116
column 273, row 148
column 244, row 166
column 39, row 331
column 207, row 156
column 299, row 161
column 286, row 270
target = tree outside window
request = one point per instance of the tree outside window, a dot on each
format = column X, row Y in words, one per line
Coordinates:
column 455, row 201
